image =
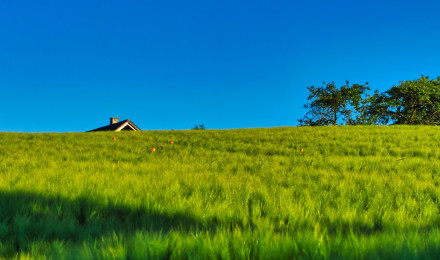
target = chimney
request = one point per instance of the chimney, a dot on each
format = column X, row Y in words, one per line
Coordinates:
column 114, row 120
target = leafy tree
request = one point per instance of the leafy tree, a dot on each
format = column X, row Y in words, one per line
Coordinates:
column 412, row 102
column 198, row 127
column 373, row 110
column 328, row 104
column 415, row 102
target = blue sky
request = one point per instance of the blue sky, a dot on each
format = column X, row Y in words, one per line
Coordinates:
column 67, row 66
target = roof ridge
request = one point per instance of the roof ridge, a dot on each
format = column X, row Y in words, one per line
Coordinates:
column 116, row 126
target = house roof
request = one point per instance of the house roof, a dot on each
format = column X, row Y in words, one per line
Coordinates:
column 123, row 125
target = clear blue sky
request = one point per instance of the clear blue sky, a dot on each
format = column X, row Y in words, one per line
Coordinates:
column 67, row 66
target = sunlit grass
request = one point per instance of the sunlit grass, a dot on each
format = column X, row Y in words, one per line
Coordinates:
column 354, row 192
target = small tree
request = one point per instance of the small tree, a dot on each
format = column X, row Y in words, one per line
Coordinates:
column 375, row 109
column 198, row 127
column 328, row 104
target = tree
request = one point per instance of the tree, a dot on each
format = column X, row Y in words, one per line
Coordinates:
column 375, row 110
column 412, row 102
column 328, row 104
column 198, row 127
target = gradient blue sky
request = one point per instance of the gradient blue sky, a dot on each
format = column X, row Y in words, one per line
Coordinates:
column 67, row 66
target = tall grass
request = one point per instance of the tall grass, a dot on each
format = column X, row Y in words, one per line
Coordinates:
column 354, row 192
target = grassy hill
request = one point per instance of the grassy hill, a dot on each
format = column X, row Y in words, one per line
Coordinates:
column 354, row 192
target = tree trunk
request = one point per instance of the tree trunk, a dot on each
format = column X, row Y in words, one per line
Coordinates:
column 412, row 116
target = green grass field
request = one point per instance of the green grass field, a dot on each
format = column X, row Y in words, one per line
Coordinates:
column 354, row 192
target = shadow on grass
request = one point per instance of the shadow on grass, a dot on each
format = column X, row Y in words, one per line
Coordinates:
column 27, row 217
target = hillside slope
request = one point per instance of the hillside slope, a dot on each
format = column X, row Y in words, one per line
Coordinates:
column 355, row 192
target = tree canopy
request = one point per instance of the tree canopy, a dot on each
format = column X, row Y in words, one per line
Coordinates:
column 328, row 104
column 411, row 102
column 414, row 102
